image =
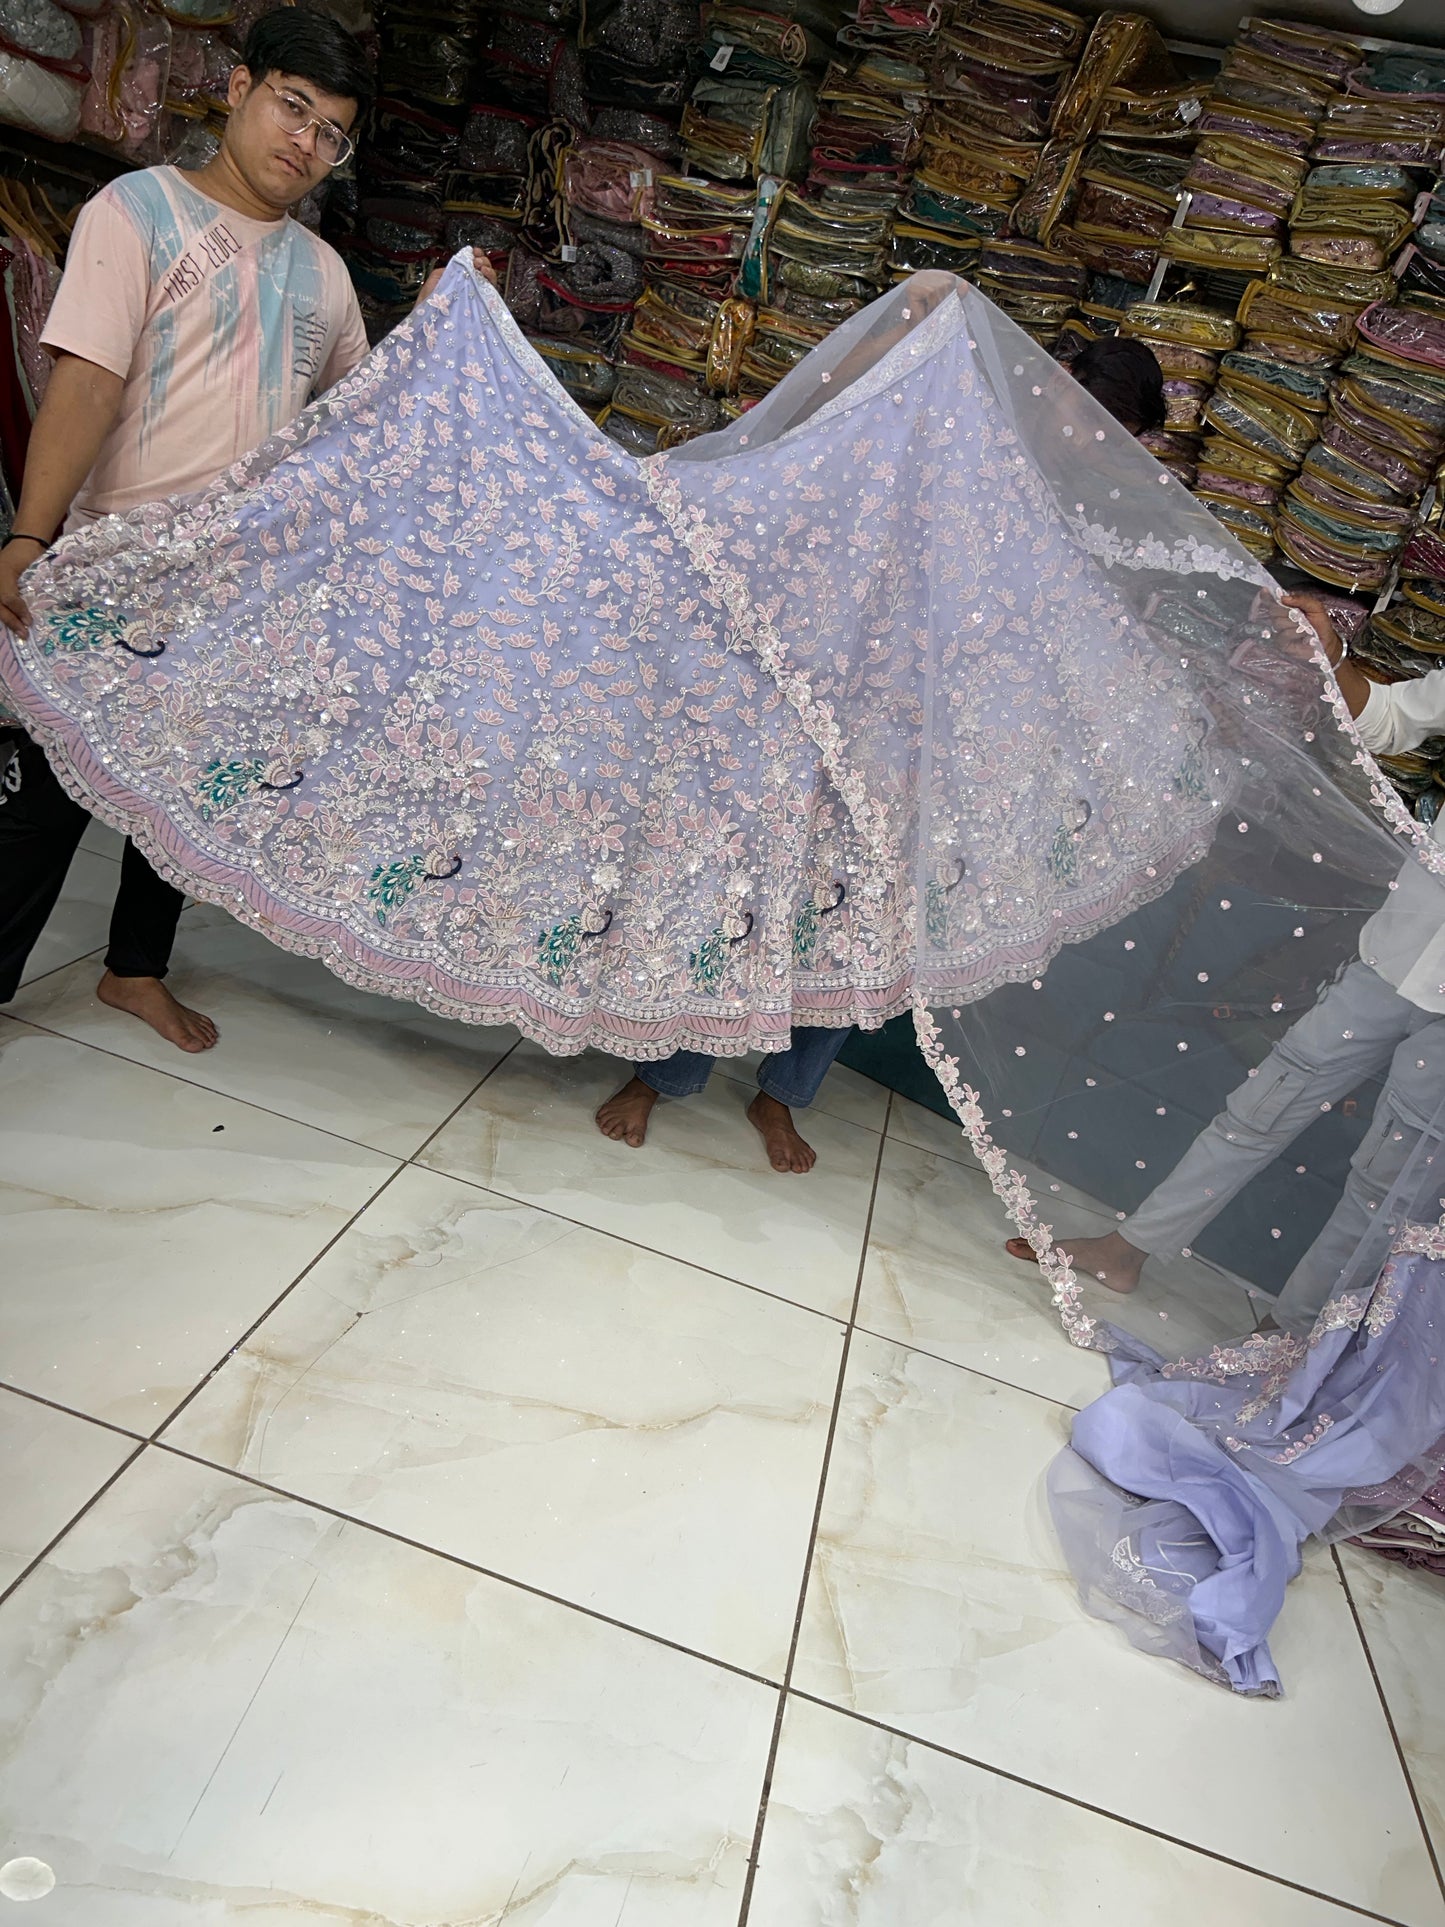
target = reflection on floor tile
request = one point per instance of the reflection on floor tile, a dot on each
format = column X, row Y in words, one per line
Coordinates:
column 80, row 922
column 145, row 1224
column 937, row 1276
column 938, row 1605
column 700, row 1188
column 225, row 1705
column 294, row 1039
column 603, row 1423
column 50, row 1464
column 876, row 1831
column 1403, row 1617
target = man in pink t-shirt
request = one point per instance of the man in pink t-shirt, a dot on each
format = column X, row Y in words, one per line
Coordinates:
column 194, row 320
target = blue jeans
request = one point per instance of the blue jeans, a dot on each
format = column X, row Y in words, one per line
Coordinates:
column 790, row 1077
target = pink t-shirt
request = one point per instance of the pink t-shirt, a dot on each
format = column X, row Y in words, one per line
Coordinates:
column 223, row 327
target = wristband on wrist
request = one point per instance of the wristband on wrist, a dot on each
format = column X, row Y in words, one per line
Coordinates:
column 16, row 535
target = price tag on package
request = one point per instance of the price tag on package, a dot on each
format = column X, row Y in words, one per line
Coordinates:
column 720, row 59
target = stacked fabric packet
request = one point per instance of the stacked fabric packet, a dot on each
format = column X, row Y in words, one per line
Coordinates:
column 1265, row 415
column 1034, row 286
column 634, row 54
column 1108, row 203
column 574, row 287
column 753, row 100
column 1347, row 515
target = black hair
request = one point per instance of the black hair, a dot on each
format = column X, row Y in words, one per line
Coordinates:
column 311, row 46
column 1123, row 375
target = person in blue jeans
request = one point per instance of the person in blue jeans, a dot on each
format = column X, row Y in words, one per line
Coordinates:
column 787, row 1081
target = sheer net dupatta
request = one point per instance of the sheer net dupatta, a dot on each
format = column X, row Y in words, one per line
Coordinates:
column 1154, row 879
column 1200, row 1081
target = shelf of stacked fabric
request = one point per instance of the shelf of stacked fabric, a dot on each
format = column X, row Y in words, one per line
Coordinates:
column 682, row 342
column 1105, row 189
column 827, row 248
column 993, row 86
column 1345, row 518
column 1276, row 88
column 1188, row 341
column 1405, row 638
column 485, row 195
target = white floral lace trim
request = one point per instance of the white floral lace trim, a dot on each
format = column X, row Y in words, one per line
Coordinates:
column 1187, row 556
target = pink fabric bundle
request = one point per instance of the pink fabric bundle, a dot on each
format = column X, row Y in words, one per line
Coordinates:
column 612, row 180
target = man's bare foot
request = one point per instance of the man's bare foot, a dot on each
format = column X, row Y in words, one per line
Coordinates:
column 774, row 1124
column 624, row 1117
column 1111, row 1259
column 148, row 999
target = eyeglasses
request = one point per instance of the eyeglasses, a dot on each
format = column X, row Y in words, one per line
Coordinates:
column 294, row 115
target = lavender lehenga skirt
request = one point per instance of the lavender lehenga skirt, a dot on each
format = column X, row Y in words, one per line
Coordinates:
column 919, row 688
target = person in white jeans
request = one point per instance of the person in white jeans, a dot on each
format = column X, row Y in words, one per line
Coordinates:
column 1385, row 1012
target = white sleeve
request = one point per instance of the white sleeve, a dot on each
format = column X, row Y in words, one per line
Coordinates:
column 1400, row 715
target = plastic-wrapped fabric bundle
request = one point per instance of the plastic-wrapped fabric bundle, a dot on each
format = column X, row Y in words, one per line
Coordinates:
column 1083, row 801
column 39, row 30
column 634, row 52
column 1404, row 73
column 742, row 126
column 38, row 101
column 1123, row 48
column 128, row 54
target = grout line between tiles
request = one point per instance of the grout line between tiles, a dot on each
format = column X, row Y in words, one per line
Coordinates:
column 466, row 1565
column 247, row 1103
column 974, row 1371
column 29, row 983
column 1088, row 1806
column 402, row 1164
column 785, row 1692
column 755, row 1852
column 1415, row 1799
column 617, row 1237
column 71, row 1523
column 71, row 1411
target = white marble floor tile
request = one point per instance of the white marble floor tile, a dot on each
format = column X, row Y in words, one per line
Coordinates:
column 1403, row 1617
column 937, row 1276
column 144, row 1224
column 294, row 1039
column 924, row 1129
column 868, row 1830
column 845, row 1093
column 226, row 1706
column 609, row 1425
column 700, row 1188
column 938, row 1603
column 80, row 921
column 50, row 1464
column 103, row 840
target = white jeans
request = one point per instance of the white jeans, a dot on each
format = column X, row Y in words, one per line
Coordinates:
column 1359, row 1026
